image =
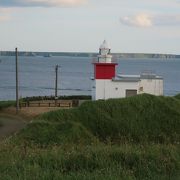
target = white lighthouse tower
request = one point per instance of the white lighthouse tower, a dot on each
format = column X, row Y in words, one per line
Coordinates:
column 104, row 71
column 104, row 53
column 106, row 84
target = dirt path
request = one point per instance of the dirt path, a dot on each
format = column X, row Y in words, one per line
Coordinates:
column 30, row 112
column 10, row 125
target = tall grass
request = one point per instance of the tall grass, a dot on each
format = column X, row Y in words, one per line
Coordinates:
column 131, row 138
column 5, row 104
column 177, row 96
column 91, row 162
column 139, row 119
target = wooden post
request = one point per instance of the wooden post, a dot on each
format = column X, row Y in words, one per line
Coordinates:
column 17, row 83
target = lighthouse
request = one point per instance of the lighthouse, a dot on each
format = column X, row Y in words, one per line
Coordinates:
column 104, row 71
column 107, row 84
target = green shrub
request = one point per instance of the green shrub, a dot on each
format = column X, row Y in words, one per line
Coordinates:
column 5, row 104
column 39, row 98
column 139, row 119
column 46, row 133
column 130, row 138
column 177, row 96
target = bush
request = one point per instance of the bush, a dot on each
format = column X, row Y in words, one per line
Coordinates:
column 130, row 138
column 177, row 96
column 5, row 104
column 39, row 98
column 138, row 119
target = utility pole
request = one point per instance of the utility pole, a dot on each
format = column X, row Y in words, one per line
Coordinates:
column 17, row 83
column 56, row 84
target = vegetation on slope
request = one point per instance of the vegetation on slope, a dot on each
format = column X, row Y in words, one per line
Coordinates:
column 137, row 119
column 5, row 104
column 177, row 96
column 130, row 138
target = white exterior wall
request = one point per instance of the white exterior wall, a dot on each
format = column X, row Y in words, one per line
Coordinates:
column 151, row 86
column 107, row 59
column 106, row 89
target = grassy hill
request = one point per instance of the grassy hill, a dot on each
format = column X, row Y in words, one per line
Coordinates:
column 5, row 104
column 130, row 138
column 138, row 119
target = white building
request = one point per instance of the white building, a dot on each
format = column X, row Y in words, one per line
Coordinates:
column 106, row 84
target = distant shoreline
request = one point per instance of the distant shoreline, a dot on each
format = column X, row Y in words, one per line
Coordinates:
column 88, row 54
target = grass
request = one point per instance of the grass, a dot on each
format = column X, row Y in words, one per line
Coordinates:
column 130, row 138
column 39, row 98
column 5, row 104
column 138, row 119
column 91, row 162
column 177, row 96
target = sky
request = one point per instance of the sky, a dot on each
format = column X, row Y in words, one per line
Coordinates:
column 129, row 26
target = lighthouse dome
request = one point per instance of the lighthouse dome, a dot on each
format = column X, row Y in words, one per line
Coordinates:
column 104, row 45
column 105, row 53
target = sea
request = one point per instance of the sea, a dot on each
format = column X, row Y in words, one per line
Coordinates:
column 37, row 74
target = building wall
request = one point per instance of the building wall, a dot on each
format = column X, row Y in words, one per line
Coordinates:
column 106, row 89
column 151, row 86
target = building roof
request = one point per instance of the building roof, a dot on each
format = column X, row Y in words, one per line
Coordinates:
column 135, row 78
column 150, row 76
column 104, row 45
column 127, row 78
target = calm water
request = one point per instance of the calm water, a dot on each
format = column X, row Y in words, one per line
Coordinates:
column 37, row 75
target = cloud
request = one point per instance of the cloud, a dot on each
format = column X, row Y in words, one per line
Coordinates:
column 140, row 20
column 147, row 20
column 7, row 6
column 41, row 3
column 4, row 14
column 4, row 18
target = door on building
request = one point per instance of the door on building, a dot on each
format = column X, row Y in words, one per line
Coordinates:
column 131, row 92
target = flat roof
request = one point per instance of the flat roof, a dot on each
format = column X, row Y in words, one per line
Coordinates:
column 127, row 78
column 134, row 78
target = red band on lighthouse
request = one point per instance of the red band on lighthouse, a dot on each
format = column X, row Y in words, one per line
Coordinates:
column 104, row 70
